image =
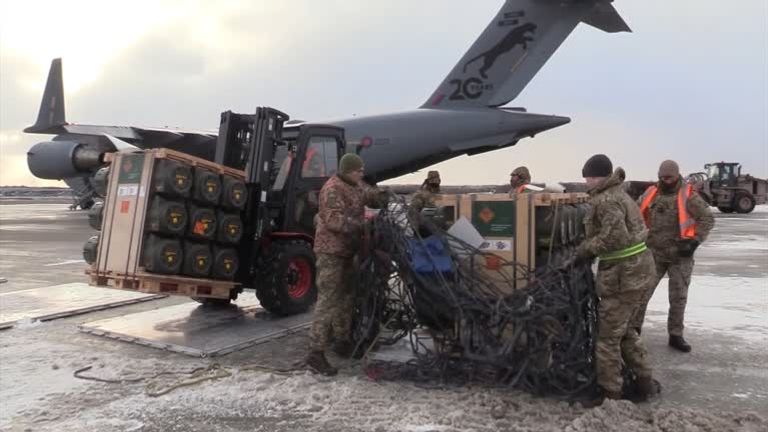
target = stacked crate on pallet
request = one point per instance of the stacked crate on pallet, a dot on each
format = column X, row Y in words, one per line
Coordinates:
column 531, row 229
column 170, row 223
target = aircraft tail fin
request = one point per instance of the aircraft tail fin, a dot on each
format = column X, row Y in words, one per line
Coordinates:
column 514, row 47
column 51, row 115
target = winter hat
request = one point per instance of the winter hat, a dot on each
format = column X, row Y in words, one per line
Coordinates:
column 597, row 166
column 349, row 163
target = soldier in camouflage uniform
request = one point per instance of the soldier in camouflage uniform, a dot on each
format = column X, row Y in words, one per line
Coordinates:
column 425, row 197
column 337, row 239
column 518, row 179
column 616, row 235
column 673, row 237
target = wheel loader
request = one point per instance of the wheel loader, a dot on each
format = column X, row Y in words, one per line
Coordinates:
column 723, row 186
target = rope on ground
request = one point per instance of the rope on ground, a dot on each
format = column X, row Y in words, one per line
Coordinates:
column 190, row 377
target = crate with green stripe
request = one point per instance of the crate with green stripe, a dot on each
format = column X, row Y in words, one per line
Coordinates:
column 532, row 229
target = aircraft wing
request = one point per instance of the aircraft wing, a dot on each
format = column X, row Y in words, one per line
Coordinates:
column 51, row 119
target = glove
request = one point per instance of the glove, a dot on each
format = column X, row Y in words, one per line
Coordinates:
column 686, row 247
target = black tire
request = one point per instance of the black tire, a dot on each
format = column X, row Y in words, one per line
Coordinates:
column 285, row 283
column 725, row 209
column 743, row 202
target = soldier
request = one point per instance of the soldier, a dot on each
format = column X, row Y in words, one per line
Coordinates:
column 518, row 179
column 678, row 220
column 337, row 239
column 616, row 234
column 425, row 197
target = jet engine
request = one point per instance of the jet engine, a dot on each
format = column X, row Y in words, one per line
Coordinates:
column 57, row 160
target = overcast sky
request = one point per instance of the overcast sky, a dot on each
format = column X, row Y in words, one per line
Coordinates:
column 691, row 82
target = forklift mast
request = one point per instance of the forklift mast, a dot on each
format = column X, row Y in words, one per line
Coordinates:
column 248, row 142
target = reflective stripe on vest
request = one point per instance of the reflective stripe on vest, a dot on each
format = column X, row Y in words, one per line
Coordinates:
column 624, row 253
column 685, row 221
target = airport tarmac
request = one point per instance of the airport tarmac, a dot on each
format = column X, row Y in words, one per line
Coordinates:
column 721, row 385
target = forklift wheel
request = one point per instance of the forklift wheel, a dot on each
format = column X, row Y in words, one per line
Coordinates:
column 744, row 202
column 286, row 282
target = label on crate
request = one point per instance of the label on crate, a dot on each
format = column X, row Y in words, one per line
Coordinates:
column 131, row 167
column 494, row 218
column 496, row 245
column 128, row 190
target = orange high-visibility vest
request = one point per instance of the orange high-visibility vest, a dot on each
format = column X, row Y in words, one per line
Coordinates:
column 687, row 223
column 520, row 189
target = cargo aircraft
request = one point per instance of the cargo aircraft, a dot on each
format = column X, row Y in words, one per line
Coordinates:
column 465, row 115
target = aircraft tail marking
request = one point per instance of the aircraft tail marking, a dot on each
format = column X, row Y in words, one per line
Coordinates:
column 514, row 47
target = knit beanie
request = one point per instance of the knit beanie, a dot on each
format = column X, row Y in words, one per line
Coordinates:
column 597, row 166
column 350, row 162
column 669, row 168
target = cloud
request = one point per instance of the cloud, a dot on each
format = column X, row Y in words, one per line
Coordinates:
column 683, row 85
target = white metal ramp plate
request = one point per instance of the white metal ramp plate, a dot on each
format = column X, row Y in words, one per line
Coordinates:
column 198, row 330
column 60, row 301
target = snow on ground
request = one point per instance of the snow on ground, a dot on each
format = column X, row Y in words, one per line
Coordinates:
column 727, row 320
column 733, row 305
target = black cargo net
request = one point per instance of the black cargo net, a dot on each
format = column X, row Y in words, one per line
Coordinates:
column 463, row 323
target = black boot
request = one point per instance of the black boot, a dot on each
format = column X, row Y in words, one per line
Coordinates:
column 600, row 398
column 678, row 343
column 317, row 363
column 647, row 387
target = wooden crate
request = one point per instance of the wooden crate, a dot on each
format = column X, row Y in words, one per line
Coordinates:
column 164, row 284
column 118, row 260
column 164, row 153
column 508, row 225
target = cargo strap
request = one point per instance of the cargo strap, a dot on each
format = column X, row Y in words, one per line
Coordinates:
column 624, row 253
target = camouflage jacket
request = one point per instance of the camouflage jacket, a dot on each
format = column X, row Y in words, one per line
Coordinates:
column 613, row 222
column 664, row 228
column 421, row 200
column 341, row 216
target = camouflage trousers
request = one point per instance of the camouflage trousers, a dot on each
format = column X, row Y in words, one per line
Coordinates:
column 620, row 286
column 679, row 279
column 335, row 301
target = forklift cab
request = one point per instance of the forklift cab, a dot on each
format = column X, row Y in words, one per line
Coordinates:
column 723, row 174
column 308, row 159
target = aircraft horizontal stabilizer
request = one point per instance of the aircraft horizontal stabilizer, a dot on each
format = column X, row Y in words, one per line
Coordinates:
column 606, row 18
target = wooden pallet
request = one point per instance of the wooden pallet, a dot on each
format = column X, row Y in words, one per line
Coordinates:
column 164, row 284
column 164, row 153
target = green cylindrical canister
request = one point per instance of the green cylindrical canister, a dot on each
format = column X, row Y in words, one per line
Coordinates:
column 172, row 178
column 162, row 255
column 90, row 249
column 225, row 262
column 197, row 259
column 96, row 215
column 230, row 228
column 202, row 222
column 167, row 216
column 234, row 193
column 207, row 187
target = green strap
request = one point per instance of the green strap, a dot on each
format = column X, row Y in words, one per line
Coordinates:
column 624, row 253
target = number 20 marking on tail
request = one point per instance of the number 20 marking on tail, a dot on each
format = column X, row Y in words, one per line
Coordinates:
column 471, row 88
